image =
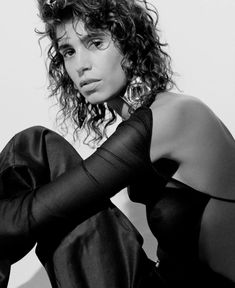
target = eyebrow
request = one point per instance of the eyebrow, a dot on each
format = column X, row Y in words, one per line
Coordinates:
column 83, row 38
column 63, row 46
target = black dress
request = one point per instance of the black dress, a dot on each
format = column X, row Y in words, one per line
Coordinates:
column 174, row 217
column 52, row 198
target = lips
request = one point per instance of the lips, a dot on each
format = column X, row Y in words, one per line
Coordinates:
column 87, row 82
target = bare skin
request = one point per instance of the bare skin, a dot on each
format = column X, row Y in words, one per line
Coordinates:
column 186, row 130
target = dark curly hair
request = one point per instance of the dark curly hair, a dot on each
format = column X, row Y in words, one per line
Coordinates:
column 133, row 26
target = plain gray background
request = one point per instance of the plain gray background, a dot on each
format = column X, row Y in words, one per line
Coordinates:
column 201, row 39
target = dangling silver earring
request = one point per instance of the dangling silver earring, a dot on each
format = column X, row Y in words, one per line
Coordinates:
column 134, row 93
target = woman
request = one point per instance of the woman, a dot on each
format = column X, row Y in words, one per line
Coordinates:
column 171, row 151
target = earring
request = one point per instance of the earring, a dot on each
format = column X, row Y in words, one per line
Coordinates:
column 51, row 3
column 134, row 93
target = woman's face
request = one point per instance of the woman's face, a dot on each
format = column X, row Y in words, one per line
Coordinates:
column 92, row 61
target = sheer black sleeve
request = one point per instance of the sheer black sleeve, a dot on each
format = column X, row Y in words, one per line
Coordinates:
column 37, row 190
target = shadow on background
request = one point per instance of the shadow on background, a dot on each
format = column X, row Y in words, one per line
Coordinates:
column 39, row 280
column 137, row 215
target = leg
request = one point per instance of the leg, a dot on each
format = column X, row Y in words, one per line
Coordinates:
column 103, row 251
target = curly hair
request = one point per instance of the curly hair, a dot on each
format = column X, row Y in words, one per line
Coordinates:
column 133, row 26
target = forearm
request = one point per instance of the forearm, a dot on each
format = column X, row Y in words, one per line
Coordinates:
column 81, row 191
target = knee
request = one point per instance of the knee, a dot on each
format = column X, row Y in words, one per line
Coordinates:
column 33, row 130
column 36, row 137
column 43, row 145
column 21, row 143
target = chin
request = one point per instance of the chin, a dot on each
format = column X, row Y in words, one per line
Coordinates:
column 95, row 102
column 96, row 99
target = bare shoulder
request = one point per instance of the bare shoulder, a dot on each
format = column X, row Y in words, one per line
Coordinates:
column 176, row 118
column 176, row 104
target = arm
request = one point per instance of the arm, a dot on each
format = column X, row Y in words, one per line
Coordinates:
column 81, row 192
column 78, row 193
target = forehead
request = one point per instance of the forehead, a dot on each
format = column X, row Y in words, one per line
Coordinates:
column 76, row 29
column 69, row 28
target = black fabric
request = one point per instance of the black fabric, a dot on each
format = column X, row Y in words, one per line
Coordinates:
column 174, row 214
column 175, row 220
column 103, row 251
column 47, row 194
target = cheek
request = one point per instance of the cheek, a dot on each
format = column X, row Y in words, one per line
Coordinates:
column 71, row 72
column 68, row 68
column 116, row 70
column 121, row 76
column 118, row 80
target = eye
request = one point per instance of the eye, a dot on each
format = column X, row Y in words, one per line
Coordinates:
column 67, row 53
column 96, row 43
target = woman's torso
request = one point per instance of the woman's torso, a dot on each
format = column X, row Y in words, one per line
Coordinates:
column 205, row 153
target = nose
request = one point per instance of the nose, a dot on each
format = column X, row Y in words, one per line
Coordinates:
column 83, row 61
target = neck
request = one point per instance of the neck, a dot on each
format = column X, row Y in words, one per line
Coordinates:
column 120, row 106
